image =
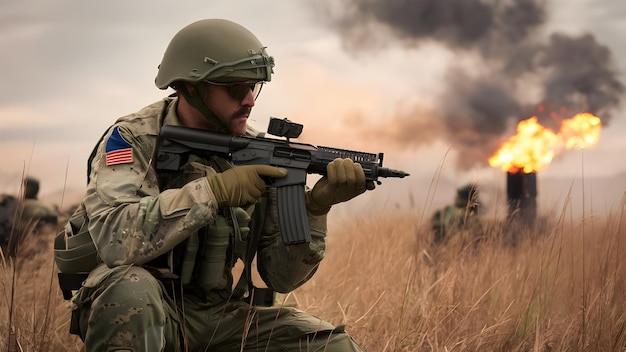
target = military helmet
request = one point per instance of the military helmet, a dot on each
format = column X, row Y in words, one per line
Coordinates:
column 31, row 188
column 216, row 50
column 467, row 194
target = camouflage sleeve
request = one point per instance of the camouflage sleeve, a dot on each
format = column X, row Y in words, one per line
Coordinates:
column 443, row 221
column 34, row 210
column 130, row 219
column 286, row 267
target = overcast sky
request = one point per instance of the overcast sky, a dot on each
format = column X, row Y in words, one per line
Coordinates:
column 69, row 68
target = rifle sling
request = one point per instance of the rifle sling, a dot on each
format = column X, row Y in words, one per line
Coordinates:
column 259, row 296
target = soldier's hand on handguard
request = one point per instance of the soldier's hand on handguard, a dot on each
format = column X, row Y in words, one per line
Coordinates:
column 344, row 180
column 242, row 185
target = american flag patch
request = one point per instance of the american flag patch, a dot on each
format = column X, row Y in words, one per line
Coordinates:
column 118, row 150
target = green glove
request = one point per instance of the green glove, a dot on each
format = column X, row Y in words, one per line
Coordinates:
column 344, row 180
column 242, row 185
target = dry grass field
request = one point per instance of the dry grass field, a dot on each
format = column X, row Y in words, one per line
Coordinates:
column 561, row 288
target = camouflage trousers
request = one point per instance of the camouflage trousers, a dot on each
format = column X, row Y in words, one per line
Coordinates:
column 128, row 309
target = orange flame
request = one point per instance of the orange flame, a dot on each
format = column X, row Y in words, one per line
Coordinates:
column 534, row 146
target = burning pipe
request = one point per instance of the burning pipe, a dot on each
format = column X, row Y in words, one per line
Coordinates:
column 532, row 149
column 522, row 196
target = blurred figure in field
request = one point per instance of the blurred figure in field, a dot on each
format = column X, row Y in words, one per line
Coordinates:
column 36, row 213
column 20, row 217
column 460, row 217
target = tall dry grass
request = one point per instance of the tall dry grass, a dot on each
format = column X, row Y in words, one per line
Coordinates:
column 33, row 314
column 561, row 288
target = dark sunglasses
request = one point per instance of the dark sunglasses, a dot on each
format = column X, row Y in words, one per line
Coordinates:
column 239, row 91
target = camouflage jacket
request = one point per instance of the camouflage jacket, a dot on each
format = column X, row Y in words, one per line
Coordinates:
column 450, row 219
column 35, row 210
column 133, row 218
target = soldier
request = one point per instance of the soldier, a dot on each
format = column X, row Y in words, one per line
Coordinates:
column 460, row 216
column 32, row 213
column 34, row 209
column 168, row 242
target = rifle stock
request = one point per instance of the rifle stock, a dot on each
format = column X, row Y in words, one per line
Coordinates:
column 177, row 143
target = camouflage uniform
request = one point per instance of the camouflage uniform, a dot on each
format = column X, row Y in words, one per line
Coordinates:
column 165, row 283
column 459, row 217
column 35, row 211
column 34, row 215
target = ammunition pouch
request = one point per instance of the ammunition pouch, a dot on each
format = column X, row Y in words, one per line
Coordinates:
column 74, row 253
column 212, row 258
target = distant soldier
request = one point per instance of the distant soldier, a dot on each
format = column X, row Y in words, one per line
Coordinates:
column 36, row 211
column 17, row 217
column 457, row 217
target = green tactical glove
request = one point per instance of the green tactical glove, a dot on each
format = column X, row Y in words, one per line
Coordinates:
column 344, row 180
column 242, row 185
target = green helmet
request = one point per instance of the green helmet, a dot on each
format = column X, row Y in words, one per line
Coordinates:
column 31, row 188
column 467, row 195
column 216, row 50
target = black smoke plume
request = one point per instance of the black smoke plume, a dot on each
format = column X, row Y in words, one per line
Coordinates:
column 513, row 55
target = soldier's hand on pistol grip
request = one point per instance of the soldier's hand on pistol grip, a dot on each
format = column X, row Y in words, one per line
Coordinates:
column 242, row 185
column 344, row 180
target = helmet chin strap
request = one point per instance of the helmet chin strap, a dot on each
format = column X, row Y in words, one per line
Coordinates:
column 195, row 99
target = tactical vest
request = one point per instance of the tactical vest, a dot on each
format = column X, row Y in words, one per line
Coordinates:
column 205, row 259
column 197, row 261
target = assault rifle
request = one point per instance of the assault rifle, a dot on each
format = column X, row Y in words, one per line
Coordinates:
column 177, row 143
